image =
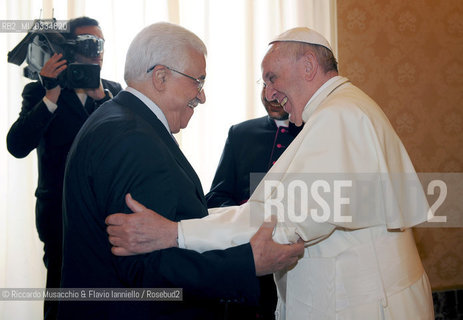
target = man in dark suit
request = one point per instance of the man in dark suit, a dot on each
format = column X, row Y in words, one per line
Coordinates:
column 49, row 120
column 252, row 146
column 127, row 146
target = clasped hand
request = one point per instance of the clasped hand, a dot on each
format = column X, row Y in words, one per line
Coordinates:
column 145, row 231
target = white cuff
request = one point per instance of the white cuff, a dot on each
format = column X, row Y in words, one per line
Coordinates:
column 180, row 237
column 51, row 106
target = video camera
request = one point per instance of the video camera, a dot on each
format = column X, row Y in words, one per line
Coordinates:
column 38, row 46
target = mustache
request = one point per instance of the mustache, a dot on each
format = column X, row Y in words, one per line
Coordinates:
column 193, row 103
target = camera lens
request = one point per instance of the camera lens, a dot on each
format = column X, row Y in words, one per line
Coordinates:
column 83, row 75
column 77, row 75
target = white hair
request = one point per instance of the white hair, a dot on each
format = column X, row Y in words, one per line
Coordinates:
column 160, row 43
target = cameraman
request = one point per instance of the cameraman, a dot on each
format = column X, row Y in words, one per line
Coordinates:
column 49, row 120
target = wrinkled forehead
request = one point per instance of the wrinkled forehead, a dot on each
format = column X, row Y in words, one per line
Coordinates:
column 268, row 59
column 269, row 54
column 196, row 61
column 277, row 57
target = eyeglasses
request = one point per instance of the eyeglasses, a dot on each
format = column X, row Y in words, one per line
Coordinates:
column 200, row 81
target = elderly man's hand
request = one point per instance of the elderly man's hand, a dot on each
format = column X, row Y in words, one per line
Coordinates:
column 140, row 232
column 270, row 256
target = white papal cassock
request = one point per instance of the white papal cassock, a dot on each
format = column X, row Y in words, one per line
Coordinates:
column 368, row 268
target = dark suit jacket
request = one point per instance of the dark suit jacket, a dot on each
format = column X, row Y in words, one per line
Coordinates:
column 252, row 146
column 52, row 134
column 124, row 148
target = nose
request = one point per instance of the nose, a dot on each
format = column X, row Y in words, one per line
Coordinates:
column 201, row 96
column 269, row 93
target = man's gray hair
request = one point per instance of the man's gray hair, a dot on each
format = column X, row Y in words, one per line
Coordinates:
column 160, row 43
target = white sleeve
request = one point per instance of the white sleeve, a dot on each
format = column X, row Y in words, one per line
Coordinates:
column 222, row 228
column 357, row 148
column 180, row 237
column 51, row 106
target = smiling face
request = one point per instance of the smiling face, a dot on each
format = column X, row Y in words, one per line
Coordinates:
column 183, row 92
column 273, row 108
column 285, row 81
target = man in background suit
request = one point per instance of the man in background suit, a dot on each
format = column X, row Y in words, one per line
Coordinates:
column 49, row 120
column 252, row 146
column 127, row 147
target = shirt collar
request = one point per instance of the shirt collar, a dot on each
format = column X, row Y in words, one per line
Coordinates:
column 280, row 123
column 81, row 95
column 151, row 105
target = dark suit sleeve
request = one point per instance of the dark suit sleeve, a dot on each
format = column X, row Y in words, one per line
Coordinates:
column 34, row 118
column 223, row 189
column 146, row 173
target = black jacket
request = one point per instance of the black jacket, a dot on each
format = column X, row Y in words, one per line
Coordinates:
column 52, row 135
column 123, row 148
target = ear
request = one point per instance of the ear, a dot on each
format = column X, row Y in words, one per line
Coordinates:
column 159, row 78
column 310, row 65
